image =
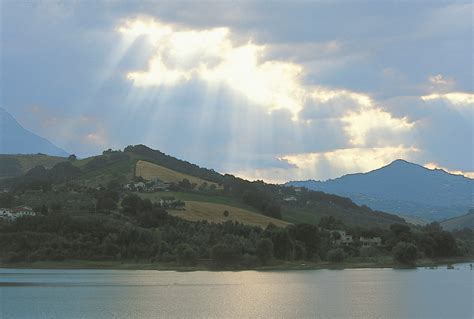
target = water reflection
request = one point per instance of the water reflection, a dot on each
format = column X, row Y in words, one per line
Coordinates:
column 355, row 293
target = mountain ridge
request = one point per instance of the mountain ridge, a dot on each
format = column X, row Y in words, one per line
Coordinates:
column 15, row 139
column 404, row 188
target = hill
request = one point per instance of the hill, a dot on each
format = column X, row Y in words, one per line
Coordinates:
column 113, row 169
column 17, row 165
column 403, row 188
column 150, row 171
column 14, row 139
column 460, row 222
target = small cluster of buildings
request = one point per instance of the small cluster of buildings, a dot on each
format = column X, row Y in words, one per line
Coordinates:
column 149, row 187
column 345, row 239
column 170, row 202
column 10, row 214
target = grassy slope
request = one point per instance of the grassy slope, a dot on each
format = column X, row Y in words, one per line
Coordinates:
column 459, row 222
column 212, row 207
column 199, row 197
column 28, row 162
column 150, row 171
column 313, row 214
column 214, row 213
column 122, row 171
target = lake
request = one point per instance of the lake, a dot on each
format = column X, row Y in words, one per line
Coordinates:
column 354, row 293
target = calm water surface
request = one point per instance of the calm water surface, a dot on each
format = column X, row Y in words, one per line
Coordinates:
column 350, row 293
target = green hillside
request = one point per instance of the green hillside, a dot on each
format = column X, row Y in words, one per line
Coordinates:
column 120, row 167
column 17, row 165
column 464, row 221
column 92, row 209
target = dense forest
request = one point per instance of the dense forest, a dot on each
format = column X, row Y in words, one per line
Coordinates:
column 142, row 231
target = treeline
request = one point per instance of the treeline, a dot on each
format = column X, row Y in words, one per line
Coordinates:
column 142, row 231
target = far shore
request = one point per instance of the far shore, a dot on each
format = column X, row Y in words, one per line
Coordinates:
column 277, row 266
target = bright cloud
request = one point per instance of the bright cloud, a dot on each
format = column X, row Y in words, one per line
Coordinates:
column 456, row 98
column 210, row 55
column 374, row 126
column 331, row 164
column 456, row 172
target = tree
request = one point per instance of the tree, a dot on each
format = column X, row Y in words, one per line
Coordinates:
column 330, row 223
column 300, row 250
column 186, row 255
column 309, row 235
column 283, row 244
column 130, row 203
column 56, row 207
column 185, row 184
column 222, row 254
column 113, row 185
column 433, row 227
column 405, row 253
column 399, row 229
column 336, row 255
column 106, row 203
column 6, row 200
column 264, row 250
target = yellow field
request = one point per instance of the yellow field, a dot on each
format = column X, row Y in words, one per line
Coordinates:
column 215, row 213
column 150, row 171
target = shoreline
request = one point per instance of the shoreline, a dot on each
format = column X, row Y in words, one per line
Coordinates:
column 281, row 266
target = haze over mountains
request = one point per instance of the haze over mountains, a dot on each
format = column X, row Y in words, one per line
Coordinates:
column 14, row 139
column 403, row 188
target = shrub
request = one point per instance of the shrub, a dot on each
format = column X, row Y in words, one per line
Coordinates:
column 405, row 253
column 224, row 255
column 336, row 255
column 264, row 250
column 368, row 252
column 300, row 250
column 186, row 255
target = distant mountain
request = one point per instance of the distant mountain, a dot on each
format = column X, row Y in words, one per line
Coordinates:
column 460, row 222
column 14, row 139
column 403, row 188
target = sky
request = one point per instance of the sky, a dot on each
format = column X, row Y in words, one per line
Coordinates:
column 273, row 90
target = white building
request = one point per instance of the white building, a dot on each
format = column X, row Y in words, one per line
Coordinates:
column 290, row 199
column 344, row 239
column 11, row 214
column 368, row 242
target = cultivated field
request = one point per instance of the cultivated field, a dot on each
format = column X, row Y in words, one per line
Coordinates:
column 213, row 212
column 150, row 171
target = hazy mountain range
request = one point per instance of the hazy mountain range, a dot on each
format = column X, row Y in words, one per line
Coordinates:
column 14, row 139
column 403, row 188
